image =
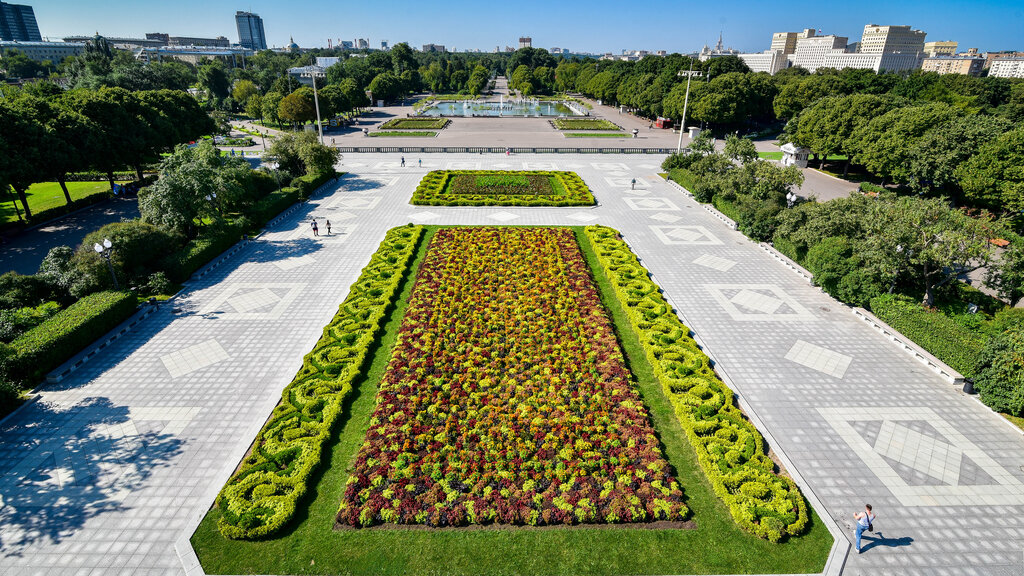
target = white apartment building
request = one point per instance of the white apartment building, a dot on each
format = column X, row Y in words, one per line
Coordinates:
column 887, row 39
column 770, row 61
column 1007, row 68
column 811, row 52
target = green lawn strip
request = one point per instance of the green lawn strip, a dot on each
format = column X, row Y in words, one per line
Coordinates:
column 451, row 188
column 46, row 195
column 1016, row 420
column 770, row 155
column 596, row 135
column 414, row 124
column 308, row 545
column 584, row 124
column 393, row 134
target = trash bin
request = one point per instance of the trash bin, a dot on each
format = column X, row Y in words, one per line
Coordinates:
column 969, row 386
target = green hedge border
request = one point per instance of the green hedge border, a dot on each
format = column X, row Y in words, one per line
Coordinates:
column 940, row 335
column 729, row 448
column 396, row 124
column 585, row 124
column 430, row 191
column 262, row 495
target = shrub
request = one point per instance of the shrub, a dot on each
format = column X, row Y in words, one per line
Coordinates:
column 19, row 291
column 261, row 497
column 686, row 179
column 1004, row 320
column 16, row 321
column 415, row 124
column 273, row 204
column 46, row 346
column 584, row 124
column 308, row 184
column 138, row 249
column 181, row 264
column 941, row 336
column 840, row 272
column 1000, row 380
column 729, row 448
column 789, row 248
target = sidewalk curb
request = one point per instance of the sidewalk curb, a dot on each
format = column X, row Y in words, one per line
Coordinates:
column 910, row 347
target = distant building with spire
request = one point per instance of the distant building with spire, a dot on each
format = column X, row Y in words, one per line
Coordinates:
column 719, row 50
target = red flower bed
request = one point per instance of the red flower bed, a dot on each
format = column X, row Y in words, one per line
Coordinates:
column 507, row 399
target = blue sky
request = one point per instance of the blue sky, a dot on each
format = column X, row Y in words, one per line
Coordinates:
column 592, row 26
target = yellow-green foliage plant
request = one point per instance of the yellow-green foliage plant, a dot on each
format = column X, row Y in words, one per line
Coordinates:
column 494, row 188
column 262, row 495
column 729, row 448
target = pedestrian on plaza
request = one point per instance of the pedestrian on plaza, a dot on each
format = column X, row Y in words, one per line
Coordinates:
column 316, row 231
column 632, row 185
column 328, row 224
column 420, row 160
column 332, row 141
column 403, row 161
column 865, row 522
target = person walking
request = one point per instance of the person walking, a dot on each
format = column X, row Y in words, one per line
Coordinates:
column 316, row 231
column 328, row 224
column 403, row 161
column 865, row 522
column 632, row 184
column 420, row 160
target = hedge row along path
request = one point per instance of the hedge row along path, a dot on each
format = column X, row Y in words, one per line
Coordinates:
column 507, row 399
column 729, row 448
column 262, row 495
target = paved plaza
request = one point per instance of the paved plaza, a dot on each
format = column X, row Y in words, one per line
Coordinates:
column 111, row 469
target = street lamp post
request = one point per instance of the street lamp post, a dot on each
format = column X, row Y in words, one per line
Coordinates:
column 791, row 199
column 105, row 250
column 212, row 199
column 686, row 102
column 316, row 101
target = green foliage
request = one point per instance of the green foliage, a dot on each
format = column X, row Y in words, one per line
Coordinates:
column 137, row 250
column 297, row 107
column 993, row 176
column 16, row 321
column 584, row 124
column 49, row 344
column 839, row 271
column 729, row 448
column 740, row 149
column 301, row 154
column 1000, row 380
column 197, row 252
column 941, row 336
column 415, row 124
column 262, row 496
column 461, row 188
column 19, row 291
column 398, row 134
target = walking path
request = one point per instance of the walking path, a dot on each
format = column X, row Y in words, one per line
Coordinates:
column 112, row 469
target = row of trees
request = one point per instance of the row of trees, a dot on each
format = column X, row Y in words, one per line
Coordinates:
column 45, row 137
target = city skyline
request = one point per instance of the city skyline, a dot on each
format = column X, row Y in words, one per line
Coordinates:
column 601, row 28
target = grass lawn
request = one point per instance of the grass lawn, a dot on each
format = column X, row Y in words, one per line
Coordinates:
column 310, row 545
column 46, row 195
column 596, row 135
column 770, row 155
column 1017, row 420
column 584, row 124
column 392, row 134
column 502, row 188
column 415, row 124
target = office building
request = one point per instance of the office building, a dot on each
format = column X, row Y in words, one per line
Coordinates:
column 250, row 31
column 770, row 61
column 811, row 52
column 152, row 40
column 18, row 22
column 991, row 57
column 1007, row 68
column 891, row 39
column 966, row 65
column 40, row 51
column 525, row 42
column 218, row 42
column 362, row 43
column 941, row 48
column 433, row 48
column 384, row 45
column 786, row 41
column 327, row 61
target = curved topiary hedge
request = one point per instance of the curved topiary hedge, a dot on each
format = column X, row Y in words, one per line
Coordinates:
column 262, row 495
column 729, row 448
column 446, row 188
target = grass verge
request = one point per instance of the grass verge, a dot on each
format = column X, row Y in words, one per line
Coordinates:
column 393, row 134
column 308, row 545
column 46, row 195
column 596, row 135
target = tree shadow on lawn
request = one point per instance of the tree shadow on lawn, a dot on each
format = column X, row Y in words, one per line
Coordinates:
column 68, row 465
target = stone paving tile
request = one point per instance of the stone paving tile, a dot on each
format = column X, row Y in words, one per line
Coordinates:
column 158, row 447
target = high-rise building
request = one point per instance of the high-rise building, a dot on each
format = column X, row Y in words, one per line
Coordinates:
column 525, row 42
column 810, row 52
column 786, row 41
column 250, row 30
column 18, row 22
column 891, row 39
column 947, row 48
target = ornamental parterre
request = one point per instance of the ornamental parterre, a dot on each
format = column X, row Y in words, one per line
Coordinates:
column 502, row 188
column 507, row 399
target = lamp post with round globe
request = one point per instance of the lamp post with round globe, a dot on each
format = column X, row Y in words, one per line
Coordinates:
column 104, row 250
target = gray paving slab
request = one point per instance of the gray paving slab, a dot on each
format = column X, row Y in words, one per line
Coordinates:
column 115, row 465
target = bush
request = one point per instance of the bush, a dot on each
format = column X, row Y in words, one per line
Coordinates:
column 789, row 248
column 1000, row 380
column 941, row 336
column 16, row 321
column 729, row 448
column 273, row 204
column 138, row 251
column 308, row 184
column 686, row 179
column 181, row 264
column 727, row 207
column 1004, row 320
column 48, row 345
column 19, row 291
column 261, row 497
column 841, row 273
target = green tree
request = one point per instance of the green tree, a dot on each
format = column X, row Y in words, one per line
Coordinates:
column 214, row 79
column 993, row 176
column 942, row 149
column 478, row 80
column 1000, row 379
column 270, row 106
column 827, row 126
column 386, row 86
column 741, row 149
column 884, row 144
column 1006, row 274
column 243, row 90
column 21, row 156
column 522, row 80
column 301, row 153
column 298, row 107
column 254, row 107
column 16, row 65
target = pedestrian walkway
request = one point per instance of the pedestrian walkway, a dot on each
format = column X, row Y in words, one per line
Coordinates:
column 112, row 469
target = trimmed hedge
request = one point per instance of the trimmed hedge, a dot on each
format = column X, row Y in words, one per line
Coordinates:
column 940, row 335
column 415, row 124
column 200, row 250
column 684, row 178
column 262, row 496
column 730, row 209
column 50, row 344
column 584, row 124
column 729, row 448
column 273, row 204
column 309, row 183
column 568, row 189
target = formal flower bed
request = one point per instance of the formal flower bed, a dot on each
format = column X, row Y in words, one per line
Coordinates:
column 584, row 124
column 507, row 399
column 502, row 188
column 415, row 124
column 261, row 496
column 396, row 134
column 729, row 448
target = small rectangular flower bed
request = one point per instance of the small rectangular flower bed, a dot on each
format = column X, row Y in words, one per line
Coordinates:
column 584, row 124
column 502, row 188
column 415, row 124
